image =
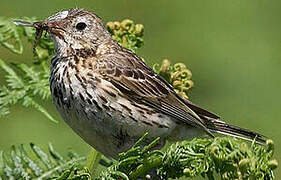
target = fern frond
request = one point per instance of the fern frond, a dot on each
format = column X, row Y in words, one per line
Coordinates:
column 38, row 164
column 23, row 88
column 10, row 36
column 14, row 81
column 38, row 81
column 127, row 33
column 177, row 74
column 228, row 157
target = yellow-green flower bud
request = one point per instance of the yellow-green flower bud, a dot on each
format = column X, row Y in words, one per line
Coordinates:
column 124, row 41
column 177, row 84
column 176, row 75
column 127, row 24
column 116, row 25
column 244, row 164
column 186, row 74
column 187, row 172
column 177, row 91
column 225, row 176
column 166, row 65
column 188, row 84
column 139, row 29
column 273, row 164
column 183, row 95
column 270, row 145
column 110, row 26
column 179, row 66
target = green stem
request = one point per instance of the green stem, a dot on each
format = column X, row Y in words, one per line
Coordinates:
column 93, row 161
column 50, row 172
column 144, row 168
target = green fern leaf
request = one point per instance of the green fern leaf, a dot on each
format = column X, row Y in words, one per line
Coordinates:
column 38, row 81
column 10, row 36
column 230, row 158
column 22, row 89
column 14, row 81
column 18, row 164
column 28, row 101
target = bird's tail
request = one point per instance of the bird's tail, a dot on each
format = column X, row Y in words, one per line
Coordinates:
column 220, row 127
column 214, row 125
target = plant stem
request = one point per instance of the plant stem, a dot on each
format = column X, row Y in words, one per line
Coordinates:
column 93, row 161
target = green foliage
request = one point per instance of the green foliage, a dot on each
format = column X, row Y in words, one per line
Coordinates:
column 134, row 163
column 228, row 158
column 24, row 82
column 23, row 87
column 225, row 157
column 38, row 164
column 11, row 38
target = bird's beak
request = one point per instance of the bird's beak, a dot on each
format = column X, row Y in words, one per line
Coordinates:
column 52, row 27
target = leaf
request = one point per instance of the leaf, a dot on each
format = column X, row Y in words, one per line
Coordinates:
column 35, row 168
column 38, row 80
column 10, row 35
column 230, row 158
column 14, row 81
column 22, row 88
column 18, row 164
column 18, row 170
column 28, row 101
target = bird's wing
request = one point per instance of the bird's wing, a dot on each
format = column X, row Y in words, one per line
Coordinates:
column 138, row 82
column 202, row 113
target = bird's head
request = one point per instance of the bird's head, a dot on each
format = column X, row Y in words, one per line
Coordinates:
column 72, row 30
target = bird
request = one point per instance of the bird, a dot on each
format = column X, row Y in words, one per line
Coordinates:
column 110, row 97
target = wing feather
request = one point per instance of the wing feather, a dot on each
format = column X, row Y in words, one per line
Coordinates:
column 135, row 80
column 148, row 88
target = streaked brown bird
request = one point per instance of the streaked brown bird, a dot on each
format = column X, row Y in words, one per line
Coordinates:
column 110, row 97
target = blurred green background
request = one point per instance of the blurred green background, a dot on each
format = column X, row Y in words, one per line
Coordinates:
column 232, row 47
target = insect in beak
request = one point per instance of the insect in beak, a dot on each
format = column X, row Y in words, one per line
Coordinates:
column 50, row 27
column 39, row 26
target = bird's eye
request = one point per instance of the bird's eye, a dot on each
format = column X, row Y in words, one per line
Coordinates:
column 81, row 26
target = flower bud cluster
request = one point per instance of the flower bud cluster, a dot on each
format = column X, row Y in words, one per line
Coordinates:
column 178, row 75
column 127, row 33
column 228, row 157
